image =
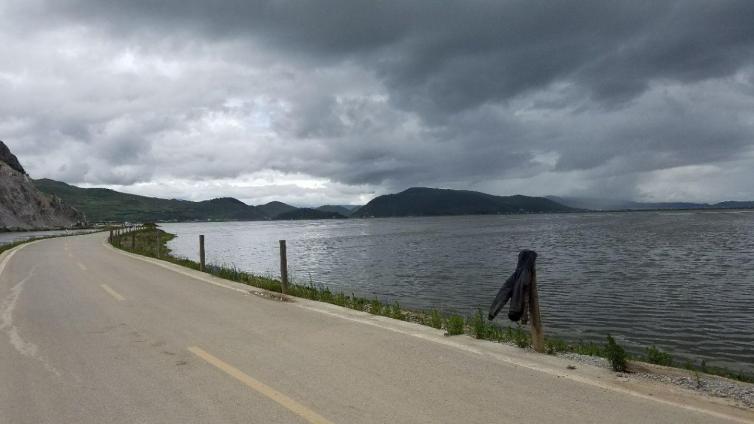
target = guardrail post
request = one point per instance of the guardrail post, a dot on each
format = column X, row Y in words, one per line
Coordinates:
column 201, row 253
column 283, row 267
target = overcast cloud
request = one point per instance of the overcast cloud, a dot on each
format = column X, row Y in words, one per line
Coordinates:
column 337, row 101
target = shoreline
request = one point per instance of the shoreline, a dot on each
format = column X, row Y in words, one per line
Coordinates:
column 475, row 326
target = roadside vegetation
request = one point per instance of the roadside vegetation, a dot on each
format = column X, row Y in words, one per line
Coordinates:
column 144, row 242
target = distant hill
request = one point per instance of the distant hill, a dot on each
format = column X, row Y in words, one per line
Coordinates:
column 307, row 213
column 420, row 201
column 343, row 210
column 273, row 209
column 103, row 205
column 24, row 207
column 598, row 204
column 730, row 204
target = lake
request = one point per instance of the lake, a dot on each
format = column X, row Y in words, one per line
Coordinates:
column 683, row 281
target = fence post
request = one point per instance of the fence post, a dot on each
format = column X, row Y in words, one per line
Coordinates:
column 537, row 334
column 110, row 238
column 157, row 238
column 201, row 253
column 283, row 268
column 133, row 240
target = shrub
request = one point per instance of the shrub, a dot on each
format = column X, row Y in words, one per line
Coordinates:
column 455, row 325
column 656, row 356
column 615, row 354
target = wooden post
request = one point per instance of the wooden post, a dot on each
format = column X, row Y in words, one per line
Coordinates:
column 159, row 243
column 133, row 240
column 201, row 253
column 283, row 267
column 537, row 335
column 110, row 238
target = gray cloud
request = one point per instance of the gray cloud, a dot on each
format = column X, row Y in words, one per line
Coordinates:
column 532, row 96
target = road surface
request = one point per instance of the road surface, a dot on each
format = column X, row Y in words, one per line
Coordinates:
column 89, row 334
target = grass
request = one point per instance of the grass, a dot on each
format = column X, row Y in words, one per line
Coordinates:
column 477, row 325
column 656, row 356
column 455, row 325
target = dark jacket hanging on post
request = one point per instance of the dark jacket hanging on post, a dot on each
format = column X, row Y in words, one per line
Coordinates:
column 516, row 289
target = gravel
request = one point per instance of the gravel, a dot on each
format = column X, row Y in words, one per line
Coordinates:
column 741, row 393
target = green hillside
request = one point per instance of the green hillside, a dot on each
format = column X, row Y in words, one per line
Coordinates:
column 273, row 209
column 420, row 201
column 105, row 205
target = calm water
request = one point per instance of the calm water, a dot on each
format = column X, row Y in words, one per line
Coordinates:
column 683, row 281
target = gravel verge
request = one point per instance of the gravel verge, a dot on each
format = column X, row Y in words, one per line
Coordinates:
column 739, row 392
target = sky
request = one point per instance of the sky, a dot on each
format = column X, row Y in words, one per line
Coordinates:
column 337, row 101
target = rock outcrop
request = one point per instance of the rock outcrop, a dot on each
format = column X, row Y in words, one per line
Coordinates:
column 10, row 159
column 23, row 207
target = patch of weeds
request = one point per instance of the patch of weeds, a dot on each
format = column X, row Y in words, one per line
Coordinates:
column 616, row 355
column 435, row 319
column 521, row 338
column 375, row 307
column 656, row 356
column 479, row 326
column 454, row 325
column 589, row 349
column 396, row 312
column 553, row 346
column 340, row 299
column 358, row 303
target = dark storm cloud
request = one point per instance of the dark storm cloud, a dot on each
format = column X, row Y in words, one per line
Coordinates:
column 570, row 96
column 454, row 55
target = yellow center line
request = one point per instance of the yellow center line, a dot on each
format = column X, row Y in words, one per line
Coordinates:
column 82, row 266
column 286, row 402
column 112, row 293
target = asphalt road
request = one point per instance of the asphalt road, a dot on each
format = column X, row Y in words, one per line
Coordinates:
column 92, row 335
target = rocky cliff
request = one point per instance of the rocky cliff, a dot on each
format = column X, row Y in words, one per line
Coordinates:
column 23, row 207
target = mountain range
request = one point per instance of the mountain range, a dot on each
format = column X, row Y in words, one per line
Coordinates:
column 597, row 204
column 105, row 205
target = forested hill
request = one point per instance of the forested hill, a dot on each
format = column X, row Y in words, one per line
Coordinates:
column 420, row 201
column 102, row 205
